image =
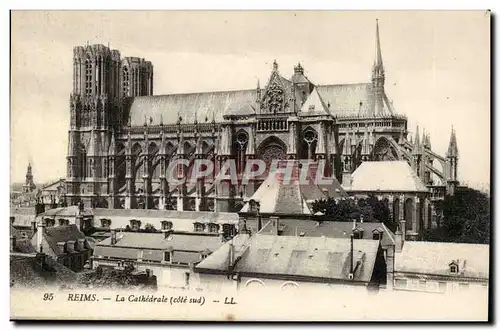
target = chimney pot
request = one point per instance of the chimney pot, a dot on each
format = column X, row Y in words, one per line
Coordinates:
column 113, row 237
column 71, row 246
column 81, row 245
column 60, row 247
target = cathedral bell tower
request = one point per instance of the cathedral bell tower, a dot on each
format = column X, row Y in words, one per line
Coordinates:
column 94, row 109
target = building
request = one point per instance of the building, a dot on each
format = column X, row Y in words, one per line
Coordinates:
column 169, row 256
column 65, row 244
column 38, row 270
column 55, row 190
column 282, row 263
column 400, row 188
column 440, row 267
column 29, row 185
column 23, row 220
column 122, row 138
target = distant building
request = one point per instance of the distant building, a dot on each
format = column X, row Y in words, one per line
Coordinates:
column 65, row 244
column 401, row 189
column 23, row 220
column 441, row 267
column 29, row 185
column 55, row 190
column 281, row 262
column 169, row 256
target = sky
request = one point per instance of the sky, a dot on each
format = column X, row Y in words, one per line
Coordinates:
column 437, row 67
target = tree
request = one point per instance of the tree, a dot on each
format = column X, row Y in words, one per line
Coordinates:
column 466, row 218
column 345, row 210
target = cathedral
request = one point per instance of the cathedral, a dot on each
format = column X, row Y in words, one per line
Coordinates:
column 122, row 138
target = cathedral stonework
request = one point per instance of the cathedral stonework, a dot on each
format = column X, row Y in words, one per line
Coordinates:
column 122, row 138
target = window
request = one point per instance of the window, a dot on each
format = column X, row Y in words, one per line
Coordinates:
column 167, row 257
column 126, row 81
column 453, row 268
column 88, row 77
column 199, row 227
column 401, row 283
column 186, row 278
column 135, row 225
column 62, row 222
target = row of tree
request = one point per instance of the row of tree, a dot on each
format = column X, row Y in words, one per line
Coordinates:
column 465, row 216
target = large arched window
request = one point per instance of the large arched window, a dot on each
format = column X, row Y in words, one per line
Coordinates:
column 82, row 160
column 88, row 77
column 126, row 81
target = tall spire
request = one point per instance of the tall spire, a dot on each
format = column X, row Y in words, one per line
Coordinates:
column 378, row 77
column 378, row 53
column 416, row 144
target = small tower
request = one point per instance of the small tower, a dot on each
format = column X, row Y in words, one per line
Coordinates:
column 417, row 154
column 29, row 185
column 452, row 165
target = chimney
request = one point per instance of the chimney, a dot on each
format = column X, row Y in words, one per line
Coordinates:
column 12, row 243
column 231, row 256
column 33, row 227
column 81, row 245
column 352, row 257
column 259, row 223
column 113, row 237
column 60, row 248
column 361, row 219
column 326, row 193
column 71, row 246
column 40, row 233
column 353, row 224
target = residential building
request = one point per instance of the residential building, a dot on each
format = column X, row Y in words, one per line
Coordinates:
column 256, row 262
column 170, row 256
column 441, row 267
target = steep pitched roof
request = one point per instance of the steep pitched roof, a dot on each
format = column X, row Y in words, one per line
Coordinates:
column 351, row 99
column 386, row 176
column 151, row 246
column 69, row 211
column 190, row 105
column 166, row 214
column 333, row 229
column 64, row 233
column 433, row 258
column 314, row 105
column 291, row 197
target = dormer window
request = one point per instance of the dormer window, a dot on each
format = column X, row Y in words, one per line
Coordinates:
column 105, row 223
column 377, row 234
column 166, row 225
column 135, row 225
column 199, row 227
column 453, row 268
column 213, row 228
column 358, row 233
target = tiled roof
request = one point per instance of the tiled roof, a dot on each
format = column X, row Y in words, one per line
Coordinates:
column 165, row 214
column 332, row 229
column 27, row 271
column 69, row 211
column 201, row 105
column 433, row 258
column 386, row 176
column 151, row 246
column 64, row 233
column 301, row 256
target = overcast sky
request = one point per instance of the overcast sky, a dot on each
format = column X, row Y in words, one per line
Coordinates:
column 437, row 67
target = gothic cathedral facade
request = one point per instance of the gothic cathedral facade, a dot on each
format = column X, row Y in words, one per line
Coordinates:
column 122, row 138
